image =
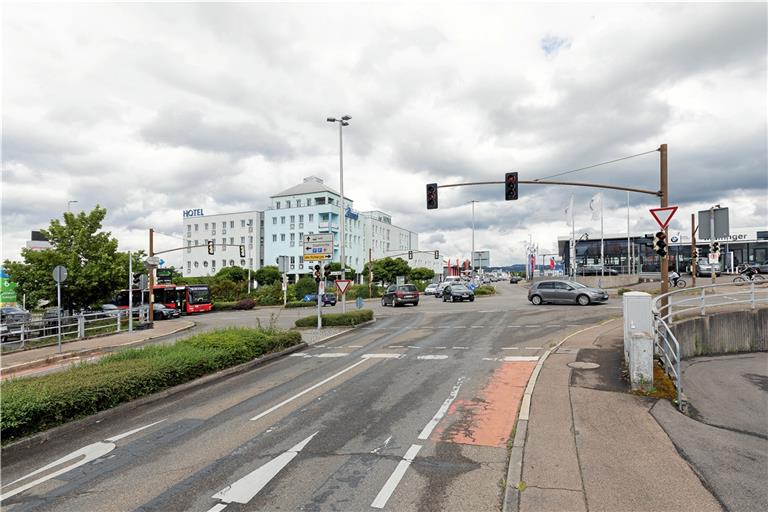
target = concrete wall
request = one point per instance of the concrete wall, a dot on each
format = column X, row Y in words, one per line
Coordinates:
column 723, row 333
column 607, row 281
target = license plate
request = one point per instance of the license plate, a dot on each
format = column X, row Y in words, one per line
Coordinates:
column 465, row 296
column 407, row 296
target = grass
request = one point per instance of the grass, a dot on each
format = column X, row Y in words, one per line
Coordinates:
column 663, row 386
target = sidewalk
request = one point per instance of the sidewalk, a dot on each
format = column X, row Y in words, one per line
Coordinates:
column 590, row 445
column 16, row 363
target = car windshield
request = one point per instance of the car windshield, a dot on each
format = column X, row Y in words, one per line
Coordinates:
column 576, row 285
column 10, row 311
column 459, row 288
column 407, row 288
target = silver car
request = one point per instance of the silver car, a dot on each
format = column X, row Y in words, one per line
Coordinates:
column 565, row 292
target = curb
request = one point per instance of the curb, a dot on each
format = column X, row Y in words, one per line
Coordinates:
column 10, row 370
column 511, row 501
column 61, row 430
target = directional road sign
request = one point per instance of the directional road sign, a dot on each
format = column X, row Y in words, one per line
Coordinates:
column 318, row 247
column 663, row 215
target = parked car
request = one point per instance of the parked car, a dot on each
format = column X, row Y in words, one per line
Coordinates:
column 163, row 312
column 762, row 267
column 12, row 321
column 595, row 270
column 329, row 299
column 440, row 288
column 515, row 279
column 704, row 268
column 398, row 295
column 431, row 289
column 458, row 293
column 565, row 292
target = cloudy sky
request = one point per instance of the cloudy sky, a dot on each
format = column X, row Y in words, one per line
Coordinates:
column 149, row 109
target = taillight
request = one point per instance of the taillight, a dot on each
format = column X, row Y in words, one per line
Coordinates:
column 399, row 293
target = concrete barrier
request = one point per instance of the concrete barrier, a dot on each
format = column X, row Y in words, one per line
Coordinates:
column 723, row 333
column 592, row 281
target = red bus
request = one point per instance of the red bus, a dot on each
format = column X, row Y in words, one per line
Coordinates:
column 195, row 298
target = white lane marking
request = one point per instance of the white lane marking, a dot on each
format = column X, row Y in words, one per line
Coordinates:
column 460, row 348
column 552, row 325
column 302, row 393
column 445, row 327
column 442, row 410
column 249, row 486
column 395, row 477
column 615, row 307
column 354, row 346
column 380, row 356
column 432, row 356
column 413, row 346
column 477, row 326
column 396, row 346
column 513, row 326
column 88, row 453
column 333, row 354
column 511, row 348
column 299, row 354
column 320, row 346
column 533, row 348
column 511, row 359
column 383, row 446
column 459, row 326
column 439, row 348
column 218, row 508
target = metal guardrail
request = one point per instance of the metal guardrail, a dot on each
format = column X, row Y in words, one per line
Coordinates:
column 679, row 305
column 73, row 327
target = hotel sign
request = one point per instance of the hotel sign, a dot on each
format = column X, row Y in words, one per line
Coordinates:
column 195, row 212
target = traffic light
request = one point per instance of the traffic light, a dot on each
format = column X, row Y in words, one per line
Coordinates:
column 432, row 196
column 327, row 272
column 242, row 251
column 660, row 244
column 410, row 255
column 714, row 247
column 136, row 278
column 510, row 186
column 437, row 255
column 317, row 273
column 695, row 254
column 210, row 246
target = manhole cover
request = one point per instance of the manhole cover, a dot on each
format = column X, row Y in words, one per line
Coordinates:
column 583, row 366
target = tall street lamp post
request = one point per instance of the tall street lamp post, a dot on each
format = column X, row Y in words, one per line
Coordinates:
column 472, row 257
column 69, row 203
column 343, row 121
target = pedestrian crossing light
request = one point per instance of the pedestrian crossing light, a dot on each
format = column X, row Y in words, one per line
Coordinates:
column 660, row 243
column 242, row 251
column 432, row 196
column 510, row 186
column 210, row 246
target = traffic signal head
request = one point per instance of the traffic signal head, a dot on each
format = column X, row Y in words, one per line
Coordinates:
column 660, row 243
column 696, row 253
column 242, row 251
column 510, row 186
column 432, row 196
column 136, row 278
column 328, row 272
column 437, row 255
column 210, row 246
column 317, row 268
column 410, row 255
column 715, row 246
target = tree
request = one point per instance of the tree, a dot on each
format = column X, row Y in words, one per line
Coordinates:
column 267, row 275
column 387, row 269
column 94, row 266
column 422, row 274
column 305, row 286
column 235, row 274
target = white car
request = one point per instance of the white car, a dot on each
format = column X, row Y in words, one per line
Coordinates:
column 430, row 289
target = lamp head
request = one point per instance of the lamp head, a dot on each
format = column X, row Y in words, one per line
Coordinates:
column 346, row 118
column 344, row 123
column 331, row 119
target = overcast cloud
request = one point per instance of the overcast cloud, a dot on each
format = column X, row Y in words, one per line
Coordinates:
column 149, row 109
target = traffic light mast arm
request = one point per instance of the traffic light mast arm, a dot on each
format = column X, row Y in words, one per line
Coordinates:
column 657, row 193
column 193, row 246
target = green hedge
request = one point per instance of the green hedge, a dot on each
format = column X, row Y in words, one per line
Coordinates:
column 361, row 290
column 485, row 290
column 223, row 306
column 335, row 319
column 33, row 404
column 298, row 304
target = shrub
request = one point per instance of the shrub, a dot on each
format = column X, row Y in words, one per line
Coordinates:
column 300, row 304
column 485, row 290
column 337, row 319
column 305, row 286
column 269, row 295
column 223, row 306
column 37, row 403
column 361, row 290
column 247, row 303
column 622, row 291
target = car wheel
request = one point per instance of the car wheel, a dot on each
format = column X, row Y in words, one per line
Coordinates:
column 383, row 302
column 471, row 299
column 415, row 303
column 536, row 300
column 583, row 300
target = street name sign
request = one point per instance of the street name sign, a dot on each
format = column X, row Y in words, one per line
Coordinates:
column 343, row 285
column 318, row 247
column 663, row 215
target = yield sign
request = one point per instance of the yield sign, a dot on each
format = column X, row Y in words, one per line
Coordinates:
column 663, row 215
column 342, row 285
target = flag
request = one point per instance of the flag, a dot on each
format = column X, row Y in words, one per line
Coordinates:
column 552, row 263
column 595, row 204
column 569, row 212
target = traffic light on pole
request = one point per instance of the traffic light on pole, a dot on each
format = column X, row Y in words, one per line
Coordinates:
column 327, row 272
column 660, row 244
column 437, row 255
column 210, row 246
column 696, row 254
column 714, row 247
column 317, row 273
column 242, row 251
column 136, row 278
column 410, row 255
column 510, row 186
column 432, row 196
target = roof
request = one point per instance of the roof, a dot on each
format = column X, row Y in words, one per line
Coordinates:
column 311, row 185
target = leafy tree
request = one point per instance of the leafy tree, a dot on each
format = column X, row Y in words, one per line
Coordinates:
column 236, row 274
column 268, row 275
column 94, row 266
column 387, row 269
column 422, row 274
column 305, row 286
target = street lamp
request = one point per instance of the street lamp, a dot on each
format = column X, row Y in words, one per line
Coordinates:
column 69, row 203
column 472, row 257
column 343, row 121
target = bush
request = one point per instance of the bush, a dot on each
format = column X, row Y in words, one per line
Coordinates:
column 33, row 404
column 300, row 304
column 337, row 319
column 247, row 303
column 485, row 290
column 223, row 306
column 622, row 291
column 269, row 295
column 305, row 286
column 361, row 290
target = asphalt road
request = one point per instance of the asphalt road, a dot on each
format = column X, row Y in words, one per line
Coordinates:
column 412, row 412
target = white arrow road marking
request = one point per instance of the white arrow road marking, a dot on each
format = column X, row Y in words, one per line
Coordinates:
column 302, row 393
column 249, row 486
column 395, row 477
column 442, row 410
column 82, row 456
column 383, row 446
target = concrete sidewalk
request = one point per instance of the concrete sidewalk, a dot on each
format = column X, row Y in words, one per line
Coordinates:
column 590, row 445
column 17, row 363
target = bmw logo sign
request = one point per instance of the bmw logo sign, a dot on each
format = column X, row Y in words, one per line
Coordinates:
column 674, row 238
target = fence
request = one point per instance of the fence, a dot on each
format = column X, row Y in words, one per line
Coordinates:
column 46, row 331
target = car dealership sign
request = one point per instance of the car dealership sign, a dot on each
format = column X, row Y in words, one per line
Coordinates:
column 195, row 212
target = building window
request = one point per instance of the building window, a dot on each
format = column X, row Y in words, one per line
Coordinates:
column 293, row 260
column 206, row 226
column 224, row 243
column 274, row 220
column 197, row 226
column 282, row 220
column 205, row 264
column 293, row 237
column 242, row 263
column 231, row 263
column 282, row 237
column 189, row 266
column 293, row 219
column 232, row 224
column 311, row 217
column 319, row 200
column 287, row 204
column 223, row 263
column 242, row 223
column 231, row 240
column 277, row 204
column 250, row 240
column 301, row 260
column 197, row 264
column 274, row 238
column 301, row 236
column 242, row 240
column 301, row 218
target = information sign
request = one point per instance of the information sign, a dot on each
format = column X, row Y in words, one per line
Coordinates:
column 318, row 247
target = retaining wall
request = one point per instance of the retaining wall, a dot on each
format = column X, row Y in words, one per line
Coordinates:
column 592, row 281
column 723, row 333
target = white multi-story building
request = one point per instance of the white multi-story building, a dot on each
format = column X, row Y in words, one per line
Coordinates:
column 227, row 230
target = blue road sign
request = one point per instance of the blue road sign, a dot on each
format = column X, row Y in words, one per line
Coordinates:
column 162, row 262
column 359, row 303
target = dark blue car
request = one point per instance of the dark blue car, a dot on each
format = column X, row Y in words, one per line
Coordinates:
column 329, row 299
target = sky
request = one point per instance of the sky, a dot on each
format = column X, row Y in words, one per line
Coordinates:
column 151, row 109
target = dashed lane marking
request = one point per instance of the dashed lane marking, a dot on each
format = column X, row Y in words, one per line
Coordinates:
column 432, row 357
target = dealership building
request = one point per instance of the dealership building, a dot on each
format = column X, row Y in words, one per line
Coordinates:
column 307, row 208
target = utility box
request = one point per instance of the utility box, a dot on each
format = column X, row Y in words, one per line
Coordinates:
column 641, row 360
column 638, row 317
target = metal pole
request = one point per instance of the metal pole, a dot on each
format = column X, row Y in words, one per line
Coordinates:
column 58, row 303
column 370, row 273
column 130, row 294
column 473, row 239
column 664, row 200
column 602, row 242
column 629, row 244
column 151, row 272
column 250, row 264
column 694, row 261
column 342, row 218
column 712, row 240
column 319, row 297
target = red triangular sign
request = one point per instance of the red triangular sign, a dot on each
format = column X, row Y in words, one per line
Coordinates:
column 663, row 215
column 342, row 285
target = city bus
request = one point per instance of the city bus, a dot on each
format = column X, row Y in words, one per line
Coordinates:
column 195, row 298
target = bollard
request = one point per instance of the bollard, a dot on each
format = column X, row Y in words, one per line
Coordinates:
column 118, row 322
column 641, row 360
column 80, row 326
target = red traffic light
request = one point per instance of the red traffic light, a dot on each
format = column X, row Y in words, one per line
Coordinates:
column 431, row 196
column 661, row 235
